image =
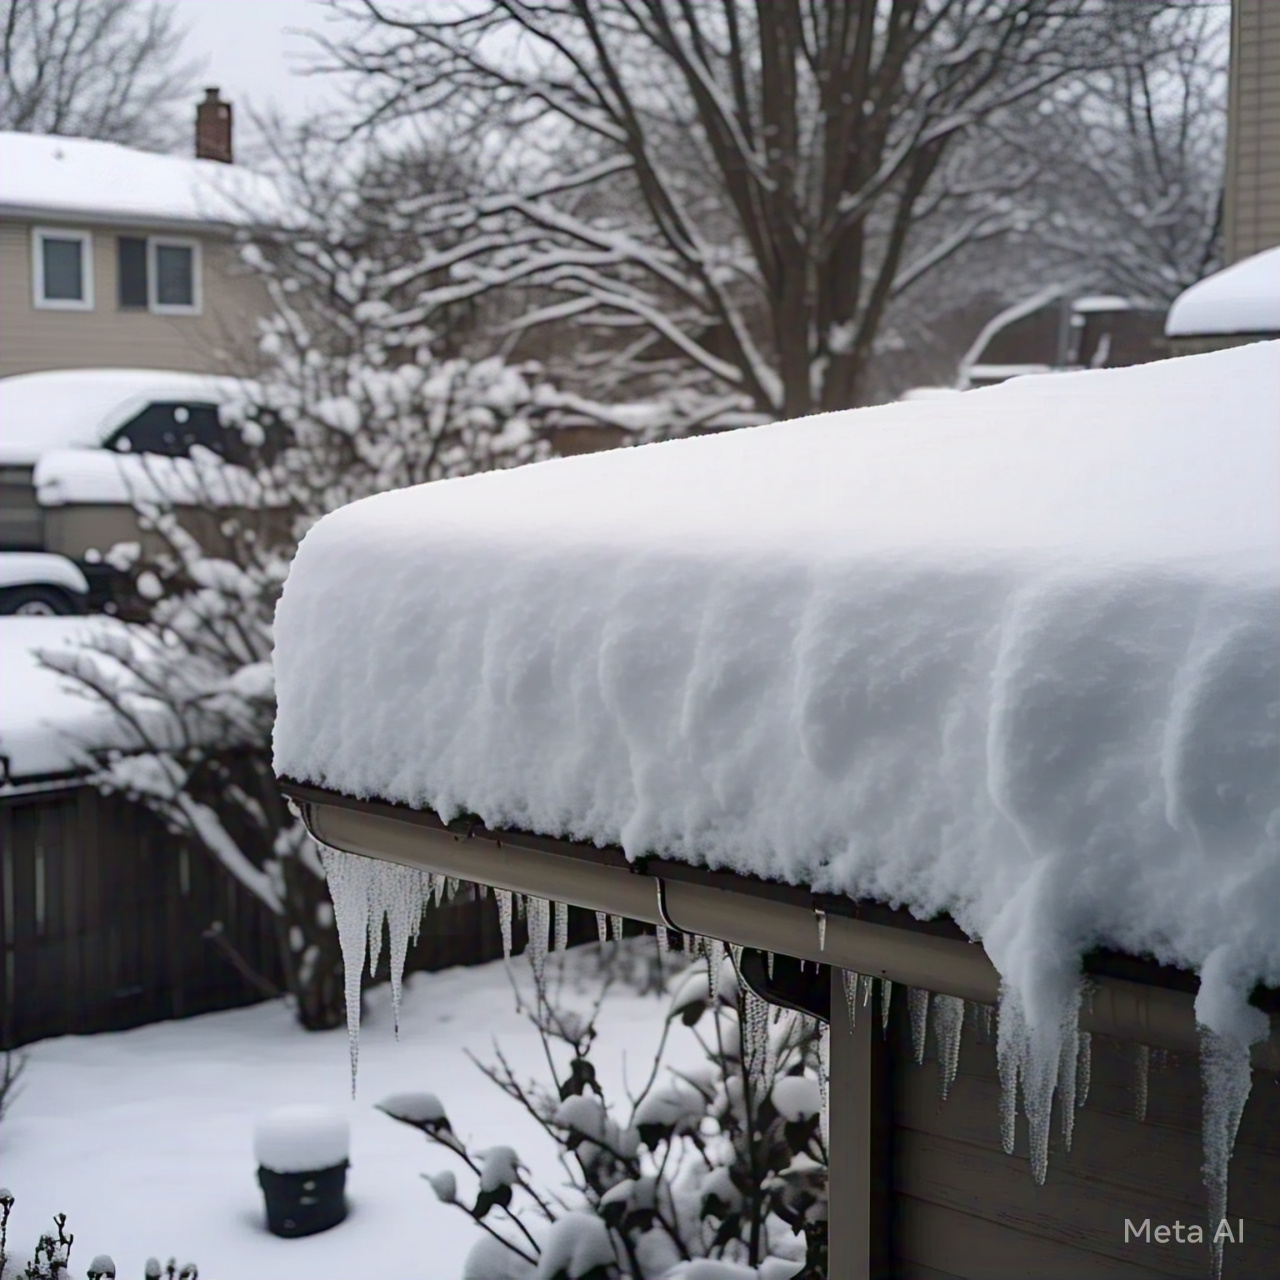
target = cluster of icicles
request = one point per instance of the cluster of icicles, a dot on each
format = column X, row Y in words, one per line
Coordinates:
column 368, row 891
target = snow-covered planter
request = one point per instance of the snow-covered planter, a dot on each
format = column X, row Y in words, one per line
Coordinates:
column 302, row 1155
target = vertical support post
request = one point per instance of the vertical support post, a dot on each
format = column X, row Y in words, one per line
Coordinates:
column 859, row 1125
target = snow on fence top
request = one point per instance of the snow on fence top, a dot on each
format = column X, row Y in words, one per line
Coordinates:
column 105, row 181
column 1012, row 655
column 1241, row 298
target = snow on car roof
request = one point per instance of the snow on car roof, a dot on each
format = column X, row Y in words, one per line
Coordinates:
column 1010, row 655
column 1241, row 298
column 74, row 408
column 103, row 181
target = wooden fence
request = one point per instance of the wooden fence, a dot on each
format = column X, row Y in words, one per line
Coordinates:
column 103, row 915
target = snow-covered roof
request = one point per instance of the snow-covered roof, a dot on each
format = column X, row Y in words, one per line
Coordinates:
column 75, row 408
column 1010, row 655
column 46, row 726
column 89, row 181
column 1241, row 298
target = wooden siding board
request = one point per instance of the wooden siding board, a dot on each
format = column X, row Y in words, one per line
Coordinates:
column 949, row 1155
column 1068, row 1210
column 1114, row 1151
column 933, row 1235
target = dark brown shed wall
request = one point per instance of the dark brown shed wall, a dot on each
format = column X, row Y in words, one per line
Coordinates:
column 964, row 1209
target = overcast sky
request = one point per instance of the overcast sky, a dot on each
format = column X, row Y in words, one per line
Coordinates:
column 251, row 49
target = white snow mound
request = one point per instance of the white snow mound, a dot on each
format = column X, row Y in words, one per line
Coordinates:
column 1012, row 655
column 301, row 1139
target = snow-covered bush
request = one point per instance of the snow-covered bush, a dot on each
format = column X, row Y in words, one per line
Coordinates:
column 51, row 1257
column 726, row 1162
column 349, row 401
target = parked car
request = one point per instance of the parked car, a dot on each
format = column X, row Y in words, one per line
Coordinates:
column 53, row 537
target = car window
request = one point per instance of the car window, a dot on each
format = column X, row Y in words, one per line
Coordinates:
column 170, row 429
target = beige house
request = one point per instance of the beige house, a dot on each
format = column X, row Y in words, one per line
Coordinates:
column 1251, row 210
column 115, row 257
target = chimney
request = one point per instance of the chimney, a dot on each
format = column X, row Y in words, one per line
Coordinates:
column 213, row 128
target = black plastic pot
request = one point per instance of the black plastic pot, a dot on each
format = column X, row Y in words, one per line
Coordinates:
column 300, row 1204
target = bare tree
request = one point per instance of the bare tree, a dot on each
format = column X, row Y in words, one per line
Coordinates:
column 1130, row 162
column 106, row 69
column 730, row 196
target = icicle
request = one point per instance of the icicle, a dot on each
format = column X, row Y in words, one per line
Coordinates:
column 664, row 942
column 437, row 889
column 822, row 930
column 1068, row 1080
column 769, row 964
column 451, row 886
column 850, row 982
column 1226, row 1077
column 1007, row 1064
column 617, row 922
column 405, row 902
column 378, row 905
column 886, row 994
column 602, row 927
column 824, row 1080
column 1032, row 1062
column 348, row 876
column 482, row 891
column 1084, row 1069
column 948, row 1027
column 864, row 983
column 539, row 930
column 522, row 906
column 755, row 1036
column 918, row 1009
column 562, row 926
column 1141, row 1081
column 504, row 919
column 715, row 965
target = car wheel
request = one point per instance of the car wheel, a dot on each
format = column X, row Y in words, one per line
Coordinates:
column 36, row 602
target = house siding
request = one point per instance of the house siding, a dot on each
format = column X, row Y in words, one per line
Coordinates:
column 963, row 1208
column 219, row 340
column 1252, row 203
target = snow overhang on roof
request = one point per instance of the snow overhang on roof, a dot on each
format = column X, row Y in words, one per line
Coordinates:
column 1243, row 298
column 85, row 181
column 1008, row 658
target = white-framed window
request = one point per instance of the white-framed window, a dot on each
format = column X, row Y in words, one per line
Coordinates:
column 173, row 276
column 62, row 269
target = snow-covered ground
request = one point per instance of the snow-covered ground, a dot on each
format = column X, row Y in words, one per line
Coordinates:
column 145, row 1138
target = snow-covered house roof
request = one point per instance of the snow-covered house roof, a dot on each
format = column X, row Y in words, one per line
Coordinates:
column 43, row 176
column 1010, row 656
column 80, row 408
column 1241, row 298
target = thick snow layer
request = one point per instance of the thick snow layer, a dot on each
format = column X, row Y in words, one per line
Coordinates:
column 1011, row 655
column 301, row 1138
column 80, row 408
column 23, row 568
column 65, row 477
column 46, row 726
column 1241, row 298
column 104, row 181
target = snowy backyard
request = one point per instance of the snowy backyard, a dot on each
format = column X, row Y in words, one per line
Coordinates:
column 145, row 1138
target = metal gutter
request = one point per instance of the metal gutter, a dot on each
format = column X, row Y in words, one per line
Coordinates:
column 863, row 937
